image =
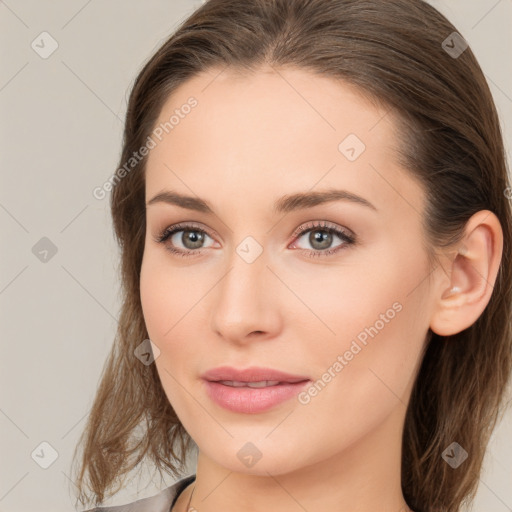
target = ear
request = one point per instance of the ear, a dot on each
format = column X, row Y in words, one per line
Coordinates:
column 465, row 290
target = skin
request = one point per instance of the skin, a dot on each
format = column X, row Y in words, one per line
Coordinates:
column 250, row 140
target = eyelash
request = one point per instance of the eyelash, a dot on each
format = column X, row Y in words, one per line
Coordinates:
column 347, row 238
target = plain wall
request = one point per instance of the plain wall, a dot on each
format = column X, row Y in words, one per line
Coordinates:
column 61, row 125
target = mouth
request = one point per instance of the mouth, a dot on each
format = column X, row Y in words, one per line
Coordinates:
column 252, row 390
column 250, row 375
column 258, row 384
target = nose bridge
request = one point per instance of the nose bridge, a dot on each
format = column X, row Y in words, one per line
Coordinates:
column 243, row 284
column 243, row 301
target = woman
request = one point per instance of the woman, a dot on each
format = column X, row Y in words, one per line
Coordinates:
column 316, row 236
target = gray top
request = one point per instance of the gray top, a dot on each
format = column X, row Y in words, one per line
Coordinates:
column 161, row 502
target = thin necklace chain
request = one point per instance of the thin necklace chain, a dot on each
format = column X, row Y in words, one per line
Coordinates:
column 190, row 499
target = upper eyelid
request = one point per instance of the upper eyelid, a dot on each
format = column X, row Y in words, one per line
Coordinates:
column 323, row 224
column 308, row 226
column 183, row 226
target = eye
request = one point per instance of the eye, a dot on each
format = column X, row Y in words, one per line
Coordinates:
column 189, row 236
column 321, row 236
column 192, row 239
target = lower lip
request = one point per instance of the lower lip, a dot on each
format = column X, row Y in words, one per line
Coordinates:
column 252, row 400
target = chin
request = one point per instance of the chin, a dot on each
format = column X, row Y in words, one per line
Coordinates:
column 259, row 458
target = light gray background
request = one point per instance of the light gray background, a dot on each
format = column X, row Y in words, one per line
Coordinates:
column 61, row 126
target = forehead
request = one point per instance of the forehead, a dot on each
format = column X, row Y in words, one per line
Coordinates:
column 268, row 100
column 274, row 131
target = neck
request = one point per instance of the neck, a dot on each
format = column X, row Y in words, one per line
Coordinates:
column 364, row 477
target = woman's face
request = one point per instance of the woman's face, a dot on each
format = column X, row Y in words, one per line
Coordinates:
column 278, row 274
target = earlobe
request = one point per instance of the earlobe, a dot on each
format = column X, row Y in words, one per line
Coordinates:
column 463, row 296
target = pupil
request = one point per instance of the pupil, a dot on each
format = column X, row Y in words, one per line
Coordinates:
column 193, row 237
column 322, row 237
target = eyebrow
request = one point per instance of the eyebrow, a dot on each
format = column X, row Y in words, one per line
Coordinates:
column 285, row 204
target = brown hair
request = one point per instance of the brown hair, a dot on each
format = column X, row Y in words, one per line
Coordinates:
column 392, row 51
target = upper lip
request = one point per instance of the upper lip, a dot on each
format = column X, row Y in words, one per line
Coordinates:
column 252, row 374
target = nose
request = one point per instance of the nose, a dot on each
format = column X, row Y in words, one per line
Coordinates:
column 245, row 302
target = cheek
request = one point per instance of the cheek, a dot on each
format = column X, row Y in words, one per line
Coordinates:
column 374, row 324
column 164, row 295
column 365, row 372
column 171, row 300
column 163, row 305
column 155, row 303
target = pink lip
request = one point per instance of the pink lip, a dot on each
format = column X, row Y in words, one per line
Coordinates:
column 252, row 374
column 251, row 400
